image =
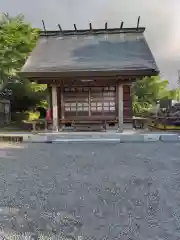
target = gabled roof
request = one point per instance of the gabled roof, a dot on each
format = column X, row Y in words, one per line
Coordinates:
column 82, row 51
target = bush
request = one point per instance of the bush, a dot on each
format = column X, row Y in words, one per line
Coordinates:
column 33, row 115
column 24, row 116
column 140, row 108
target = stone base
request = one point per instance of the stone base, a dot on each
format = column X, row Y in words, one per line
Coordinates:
column 90, row 137
column 169, row 137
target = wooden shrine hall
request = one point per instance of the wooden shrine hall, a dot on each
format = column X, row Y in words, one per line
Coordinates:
column 90, row 72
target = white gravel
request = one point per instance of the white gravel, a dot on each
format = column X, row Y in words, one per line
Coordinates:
column 90, row 191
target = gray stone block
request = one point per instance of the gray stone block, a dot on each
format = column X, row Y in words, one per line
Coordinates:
column 169, row 137
column 86, row 140
column 35, row 138
column 151, row 137
column 132, row 138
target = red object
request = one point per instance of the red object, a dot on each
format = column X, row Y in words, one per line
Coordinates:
column 48, row 115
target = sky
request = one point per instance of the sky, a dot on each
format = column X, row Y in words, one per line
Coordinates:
column 160, row 17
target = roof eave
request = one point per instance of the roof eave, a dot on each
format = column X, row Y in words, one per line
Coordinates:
column 90, row 73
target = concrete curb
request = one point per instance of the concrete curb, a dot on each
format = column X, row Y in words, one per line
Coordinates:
column 35, row 139
column 169, row 138
column 123, row 138
column 87, row 140
column 119, row 138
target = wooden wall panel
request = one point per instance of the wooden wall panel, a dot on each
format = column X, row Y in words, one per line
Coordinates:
column 89, row 102
column 76, row 102
column 98, row 100
column 103, row 101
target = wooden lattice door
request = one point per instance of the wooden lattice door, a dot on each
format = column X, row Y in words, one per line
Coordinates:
column 76, row 101
column 103, row 101
column 93, row 101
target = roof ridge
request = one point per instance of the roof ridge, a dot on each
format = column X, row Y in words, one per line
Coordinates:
column 91, row 31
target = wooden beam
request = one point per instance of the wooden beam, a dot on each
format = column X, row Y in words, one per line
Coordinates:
column 60, row 28
column 75, row 28
column 44, row 27
column 121, row 26
column 99, row 31
column 105, row 79
column 90, row 26
column 138, row 22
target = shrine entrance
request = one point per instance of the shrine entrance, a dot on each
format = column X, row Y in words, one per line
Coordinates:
column 89, row 101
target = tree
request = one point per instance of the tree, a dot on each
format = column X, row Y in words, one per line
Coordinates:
column 150, row 89
column 147, row 92
column 17, row 39
column 175, row 94
column 23, row 96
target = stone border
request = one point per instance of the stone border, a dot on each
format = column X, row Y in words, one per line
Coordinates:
column 124, row 138
column 119, row 138
column 23, row 138
column 87, row 140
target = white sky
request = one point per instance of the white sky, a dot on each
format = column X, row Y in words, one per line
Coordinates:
column 160, row 17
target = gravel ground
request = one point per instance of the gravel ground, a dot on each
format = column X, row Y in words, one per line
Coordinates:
column 90, row 191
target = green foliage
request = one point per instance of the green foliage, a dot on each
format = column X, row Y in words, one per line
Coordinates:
column 150, row 89
column 19, row 117
column 17, row 39
column 175, row 94
column 141, row 108
column 38, row 87
column 42, row 104
column 32, row 115
column 25, row 97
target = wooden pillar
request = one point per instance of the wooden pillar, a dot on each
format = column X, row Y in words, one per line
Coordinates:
column 120, row 107
column 131, row 105
column 49, row 97
column 62, row 103
column 89, row 101
column 54, row 108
